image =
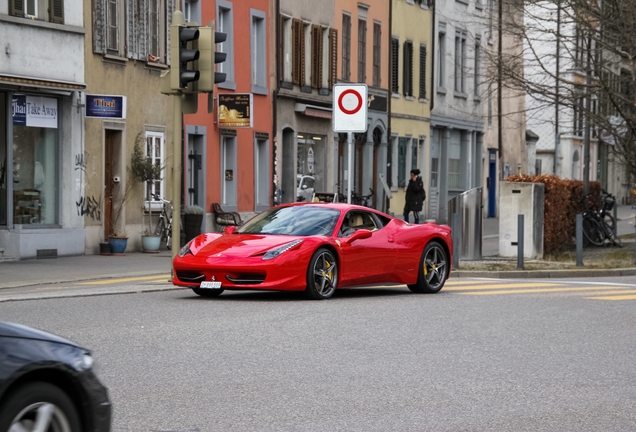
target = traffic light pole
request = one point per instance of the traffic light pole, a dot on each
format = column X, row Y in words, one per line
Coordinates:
column 176, row 175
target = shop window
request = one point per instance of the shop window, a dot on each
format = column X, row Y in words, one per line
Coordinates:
column 35, row 160
column 311, row 158
column 3, row 160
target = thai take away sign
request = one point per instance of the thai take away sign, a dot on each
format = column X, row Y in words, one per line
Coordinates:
column 350, row 107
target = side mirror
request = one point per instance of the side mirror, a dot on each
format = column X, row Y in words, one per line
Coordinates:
column 359, row 235
column 230, row 229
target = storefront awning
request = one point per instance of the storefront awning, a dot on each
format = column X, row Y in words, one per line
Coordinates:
column 40, row 84
column 313, row 110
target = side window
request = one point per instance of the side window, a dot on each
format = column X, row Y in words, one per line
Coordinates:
column 356, row 220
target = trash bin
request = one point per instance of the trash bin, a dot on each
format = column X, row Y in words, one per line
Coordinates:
column 469, row 207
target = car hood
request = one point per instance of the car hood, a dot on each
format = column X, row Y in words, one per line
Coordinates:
column 243, row 245
column 9, row 329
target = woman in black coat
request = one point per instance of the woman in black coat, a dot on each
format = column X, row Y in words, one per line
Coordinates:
column 415, row 196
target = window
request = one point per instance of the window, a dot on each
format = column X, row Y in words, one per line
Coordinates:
column 112, row 26
column 316, row 56
column 537, row 167
column 225, row 24
column 346, row 47
column 377, row 51
column 407, row 80
column 402, row 146
column 306, row 77
column 454, row 158
column 477, row 70
column 395, row 59
column 422, row 89
column 362, row 50
column 262, row 179
column 258, row 52
column 155, row 151
column 191, row 11
column 414, row 149
column 49, row 10
column 153, row 28
column 441, row 55
column 460, row 61
column 285, row 49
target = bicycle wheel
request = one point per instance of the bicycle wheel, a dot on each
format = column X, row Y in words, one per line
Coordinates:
column 169, row 235
column 608, row 224
column 593, row 231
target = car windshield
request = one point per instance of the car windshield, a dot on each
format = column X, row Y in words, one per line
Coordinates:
column 295, row 221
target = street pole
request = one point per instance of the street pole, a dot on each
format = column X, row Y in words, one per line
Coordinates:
column 177, row 19
column 350, row 166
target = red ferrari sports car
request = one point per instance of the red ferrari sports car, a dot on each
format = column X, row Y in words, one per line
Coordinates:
column 316, row 248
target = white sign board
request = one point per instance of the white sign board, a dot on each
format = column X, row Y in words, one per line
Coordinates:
column 350, row 107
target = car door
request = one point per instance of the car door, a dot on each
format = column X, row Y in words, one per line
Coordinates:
column 368, row 260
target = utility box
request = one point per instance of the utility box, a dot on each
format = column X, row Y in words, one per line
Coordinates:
column 469, row 206
column 526, row 199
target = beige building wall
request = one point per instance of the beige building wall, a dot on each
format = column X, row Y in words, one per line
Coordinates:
column 146, row 110
column 410, row 115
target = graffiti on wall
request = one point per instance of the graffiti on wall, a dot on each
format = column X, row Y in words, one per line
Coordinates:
column 90, row 206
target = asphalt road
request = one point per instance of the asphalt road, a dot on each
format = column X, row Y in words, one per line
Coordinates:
column 481, row 355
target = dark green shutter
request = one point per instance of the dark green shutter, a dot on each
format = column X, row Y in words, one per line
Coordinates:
column 422, row 71
column 395, row 49
column 56, row 11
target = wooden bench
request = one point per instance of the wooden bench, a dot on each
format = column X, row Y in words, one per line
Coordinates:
column 223, row 218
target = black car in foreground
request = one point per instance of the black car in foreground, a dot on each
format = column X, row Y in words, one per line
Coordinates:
column 48, row 383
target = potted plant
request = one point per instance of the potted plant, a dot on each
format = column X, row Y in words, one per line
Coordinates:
column 192, row 219
column 146, row 171
column 117, row 238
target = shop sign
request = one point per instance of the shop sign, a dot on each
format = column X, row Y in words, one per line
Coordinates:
column 34, row 111
column 101, row 106
column 235, row 110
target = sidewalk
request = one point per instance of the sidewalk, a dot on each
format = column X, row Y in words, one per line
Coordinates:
column 24, row 273
column 134, row 264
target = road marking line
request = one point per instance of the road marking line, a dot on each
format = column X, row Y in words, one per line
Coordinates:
column 540, row 290
column 615, row 297
column 111, row 281
column 501, row 286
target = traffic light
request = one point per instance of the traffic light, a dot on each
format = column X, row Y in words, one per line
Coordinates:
column 183, row 43
column 208, row 57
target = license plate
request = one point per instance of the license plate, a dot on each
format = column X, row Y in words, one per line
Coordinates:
column 211, row 285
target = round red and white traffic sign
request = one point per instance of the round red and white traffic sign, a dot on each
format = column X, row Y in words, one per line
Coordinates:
column 350, row 107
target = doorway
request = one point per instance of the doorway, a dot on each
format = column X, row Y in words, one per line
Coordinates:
column 113, row 180
column 195, row 181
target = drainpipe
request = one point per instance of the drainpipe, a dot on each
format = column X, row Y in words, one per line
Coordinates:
column 275, row 95
column 499, row 83
column 557, row 138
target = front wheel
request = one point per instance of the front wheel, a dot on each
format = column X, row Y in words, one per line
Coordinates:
column 433, row 269
column 39, row 406
column 593, row 232
column 322, row 275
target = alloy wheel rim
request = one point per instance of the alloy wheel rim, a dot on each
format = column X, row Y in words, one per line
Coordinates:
column 325, row 274
column 41, row 416
column 435, row 267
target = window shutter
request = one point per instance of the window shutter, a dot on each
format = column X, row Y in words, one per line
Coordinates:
column 302, row 58
column 143, row 29
column 56, row 11
column 99, row 27
column 170, row 9
column 281, row 49
column 422, row 71
column 16, row 7
column 395, row 57
column 333, row 57
column 130, row 28
column 410, row 60
column 316, row 56
column 296, row 44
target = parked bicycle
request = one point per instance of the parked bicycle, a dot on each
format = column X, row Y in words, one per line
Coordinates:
column 599, row 225
column 363, row 200
column 164, row 224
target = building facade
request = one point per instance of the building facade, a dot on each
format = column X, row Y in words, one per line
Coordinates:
column 305, row 74
column 411, row 67
column 362, row 57
column 42, row 88
column 457, row 119
column 228, row 146
column 126, row 50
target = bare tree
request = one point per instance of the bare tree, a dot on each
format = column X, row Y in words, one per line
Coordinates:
column 578, row 65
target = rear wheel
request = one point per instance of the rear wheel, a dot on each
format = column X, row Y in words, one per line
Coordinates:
column 433, row 269
column 593, row 232
column 322, row 275
column 39, row 406
column 207, row 292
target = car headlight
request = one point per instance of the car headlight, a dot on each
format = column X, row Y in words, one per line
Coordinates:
column 273, row 253
column 185, row 250
column 84, row 361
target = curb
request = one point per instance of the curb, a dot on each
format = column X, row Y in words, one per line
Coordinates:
column 82, row 279
column 542, row 274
